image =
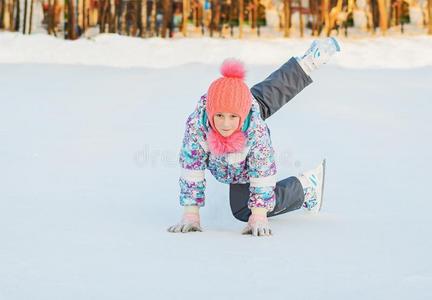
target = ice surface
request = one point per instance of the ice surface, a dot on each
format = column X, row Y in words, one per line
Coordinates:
column 89, row 180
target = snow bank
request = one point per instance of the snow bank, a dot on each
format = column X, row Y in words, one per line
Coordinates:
column 121, row 51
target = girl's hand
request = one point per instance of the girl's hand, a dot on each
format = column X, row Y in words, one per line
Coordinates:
column 258, row 224
column 189, row 222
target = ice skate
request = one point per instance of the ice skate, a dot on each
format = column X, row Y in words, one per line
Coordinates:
column 313, row 187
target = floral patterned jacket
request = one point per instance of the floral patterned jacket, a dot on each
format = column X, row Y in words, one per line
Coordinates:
column 255, row 164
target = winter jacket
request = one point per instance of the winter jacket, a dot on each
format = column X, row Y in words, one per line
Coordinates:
column 255, row 164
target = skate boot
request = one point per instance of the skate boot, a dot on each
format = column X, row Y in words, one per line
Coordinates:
column 318, row 54
column 313, row 188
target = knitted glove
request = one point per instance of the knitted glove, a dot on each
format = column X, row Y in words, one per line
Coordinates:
column 189, row 222
column 258, row 224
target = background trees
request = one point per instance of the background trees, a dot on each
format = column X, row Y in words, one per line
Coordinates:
column 221, row 18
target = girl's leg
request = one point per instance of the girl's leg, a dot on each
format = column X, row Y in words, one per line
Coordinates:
column 280, row 87
column 289, row 196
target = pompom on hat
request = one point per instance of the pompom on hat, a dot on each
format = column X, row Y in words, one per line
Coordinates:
column 229, row 93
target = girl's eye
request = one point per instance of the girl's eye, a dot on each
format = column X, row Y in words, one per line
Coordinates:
column 233, row 116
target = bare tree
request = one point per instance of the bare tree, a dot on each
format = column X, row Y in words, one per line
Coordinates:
column 326, row 16
column 186, row 11
column 143, row 18
column 2, row 4
column 167, row 6
column 132, row 17
column 430, row 16
column 315, row 8
column 383, row 16
column 31, row 16
column 15, row 21
column 215, row 16
column 72, row 34
column 84, row 16
column 25, row 16
column 241, row 17
column 301, row 24
column 153, row 19
column 287, row 17
column 112, row 17
column 254, row 12
column 334, row 15
column 103, row 15
column 50, row 17
column 197, row 14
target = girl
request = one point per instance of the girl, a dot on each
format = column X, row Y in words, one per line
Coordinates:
column 227, row 135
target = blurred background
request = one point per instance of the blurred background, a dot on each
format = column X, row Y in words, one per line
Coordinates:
column 71, row 19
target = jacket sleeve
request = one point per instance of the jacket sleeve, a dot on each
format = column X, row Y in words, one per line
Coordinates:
column 193, row 162
column 262, row 171
column 280, row 87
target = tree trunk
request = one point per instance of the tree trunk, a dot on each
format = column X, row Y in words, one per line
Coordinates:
column 301, row 25
column 5, row 14
column 103, row 7
column 144, row 17
column 195, row 13
column 31, row 17
column 153, row 19
column 25, row 17
column 241, row 17
column 53, row 19
column 16, row 15
column 215, row 16
column 71, row 20
column 326, row 16
column 287, row 17
column 316, row 16
column 186, row 10
column 255, row 14
column 2, row 4
column 50, row 16
column 430, row 16
column 8, row 15
column 132, row 18
column 167, row 17
column 212, row 17
column 84, row 16
column 143, row 24
column 112, row 17
column 383, row 16
column 122, row 17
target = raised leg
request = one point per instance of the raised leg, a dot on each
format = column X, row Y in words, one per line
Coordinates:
column 280, row 87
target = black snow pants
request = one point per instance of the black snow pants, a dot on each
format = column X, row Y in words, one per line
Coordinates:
column 273, row 93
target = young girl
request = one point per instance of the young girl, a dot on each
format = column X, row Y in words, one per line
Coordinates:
column 227, row 135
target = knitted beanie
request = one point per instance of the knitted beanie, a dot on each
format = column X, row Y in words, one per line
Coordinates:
column 229, row 93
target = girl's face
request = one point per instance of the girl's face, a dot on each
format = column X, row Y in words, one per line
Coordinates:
column 226, row 123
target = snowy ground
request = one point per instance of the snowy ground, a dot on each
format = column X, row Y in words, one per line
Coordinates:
column 89, row 183
column 121, row 51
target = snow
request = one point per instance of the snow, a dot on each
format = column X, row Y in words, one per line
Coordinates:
column 122, row 51
column 89, row 175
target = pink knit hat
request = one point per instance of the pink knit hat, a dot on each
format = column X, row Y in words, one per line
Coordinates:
column 229, row 93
